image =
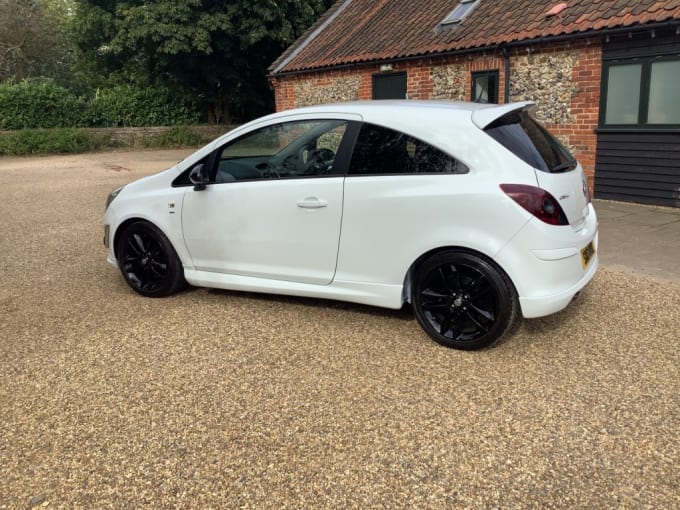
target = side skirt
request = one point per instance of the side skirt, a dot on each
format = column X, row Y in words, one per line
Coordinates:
column 385, row 296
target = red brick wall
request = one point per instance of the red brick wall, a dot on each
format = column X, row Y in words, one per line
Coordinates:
column 585, row 107
column 578, row 132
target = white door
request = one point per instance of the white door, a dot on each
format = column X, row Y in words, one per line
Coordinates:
column 274, row 207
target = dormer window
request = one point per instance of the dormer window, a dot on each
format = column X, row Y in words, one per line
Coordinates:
column 462, row 10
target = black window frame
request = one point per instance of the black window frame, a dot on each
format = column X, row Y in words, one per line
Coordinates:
column 643, row 105
column 378, row 76
column 461, row 168
column 481, row 74
column 340, row 164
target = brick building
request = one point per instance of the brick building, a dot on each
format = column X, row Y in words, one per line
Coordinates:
column 604, row 73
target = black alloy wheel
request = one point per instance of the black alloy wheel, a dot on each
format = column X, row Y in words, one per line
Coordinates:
column 463, row 301
column 148, row 261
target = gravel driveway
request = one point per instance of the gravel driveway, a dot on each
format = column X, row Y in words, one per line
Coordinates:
column 213, row 399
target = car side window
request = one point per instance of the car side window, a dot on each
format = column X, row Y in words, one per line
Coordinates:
column 288, row 150
column 383, row 151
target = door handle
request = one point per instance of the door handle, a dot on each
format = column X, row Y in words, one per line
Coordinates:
column 312, row 203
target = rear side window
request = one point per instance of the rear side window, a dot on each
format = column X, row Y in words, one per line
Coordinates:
column 383, row 151
column 531, row 142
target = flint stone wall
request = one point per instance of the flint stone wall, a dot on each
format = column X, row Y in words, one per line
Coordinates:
column 546, row 79
column 309, row 93
column 448, row 82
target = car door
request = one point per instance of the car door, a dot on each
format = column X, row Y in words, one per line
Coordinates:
column 273, row 208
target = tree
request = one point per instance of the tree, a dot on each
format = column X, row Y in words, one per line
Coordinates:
column 215, row 51
column 32, row 40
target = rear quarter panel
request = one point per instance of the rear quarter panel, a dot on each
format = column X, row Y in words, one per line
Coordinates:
column 390, row 221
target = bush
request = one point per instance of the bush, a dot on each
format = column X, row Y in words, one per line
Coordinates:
column 53, row 141
column 127, row 106
column 39, row 104
column 178, row 136
column 44, row 104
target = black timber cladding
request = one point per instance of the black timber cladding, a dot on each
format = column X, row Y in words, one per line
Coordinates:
column 639, row 165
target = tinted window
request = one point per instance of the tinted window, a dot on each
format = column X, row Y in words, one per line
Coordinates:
column 292, row 149
column 531, row 142
column 379, row 151
column 389, row 86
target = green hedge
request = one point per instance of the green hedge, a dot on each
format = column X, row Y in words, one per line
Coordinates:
column 44, row 104
column 177, row 136
column 53, row 141
column 71, row 140
column 31, row 104
column 134, row 107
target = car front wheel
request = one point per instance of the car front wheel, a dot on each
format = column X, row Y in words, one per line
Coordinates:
column 148, row 261
column 463, row 301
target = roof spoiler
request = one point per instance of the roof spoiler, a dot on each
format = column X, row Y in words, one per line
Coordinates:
column 485, row 116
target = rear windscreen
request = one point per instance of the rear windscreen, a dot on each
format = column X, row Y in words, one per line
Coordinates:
column 531, row 142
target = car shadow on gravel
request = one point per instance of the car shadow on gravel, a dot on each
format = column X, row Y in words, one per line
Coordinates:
column 558, row 319
column 404, row 313
column 524, row 329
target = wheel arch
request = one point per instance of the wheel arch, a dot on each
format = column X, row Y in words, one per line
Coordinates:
column 128, row 221
column 407, row 296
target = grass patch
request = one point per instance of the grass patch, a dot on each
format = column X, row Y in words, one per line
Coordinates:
column 74, row 140
column 53, row 141
column 176, row 137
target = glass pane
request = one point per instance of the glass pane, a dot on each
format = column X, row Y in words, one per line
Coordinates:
column 531, row 142
column 664, row 103
column 460, row 11
column 383, row 151
column 623, row 94
column 294, row 149
column 485, row 87
column 389, row 86
column 481, row 86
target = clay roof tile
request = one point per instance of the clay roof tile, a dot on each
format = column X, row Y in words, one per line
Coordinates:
column 353, row 31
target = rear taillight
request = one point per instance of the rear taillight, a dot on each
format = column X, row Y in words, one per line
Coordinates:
column 538, row 202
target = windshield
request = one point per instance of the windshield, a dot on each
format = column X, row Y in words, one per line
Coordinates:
column 528, row 140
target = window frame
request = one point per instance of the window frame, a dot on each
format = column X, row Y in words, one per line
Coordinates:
column 340, row 164
column 480, row 74
column 450, row 19
column 378, row 76
column 356, row 131
column 645, row 85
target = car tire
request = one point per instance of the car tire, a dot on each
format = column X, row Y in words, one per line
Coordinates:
column 148, row 261
column 462, row 300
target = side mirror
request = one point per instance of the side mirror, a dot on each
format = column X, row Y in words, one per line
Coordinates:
column 198, row 177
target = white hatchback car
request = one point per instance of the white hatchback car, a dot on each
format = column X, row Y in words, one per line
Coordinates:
column 472, row 213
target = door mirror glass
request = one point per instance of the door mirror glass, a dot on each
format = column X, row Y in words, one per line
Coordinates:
column 198, row 177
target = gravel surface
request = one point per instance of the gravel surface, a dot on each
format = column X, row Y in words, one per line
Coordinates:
column 213, row 399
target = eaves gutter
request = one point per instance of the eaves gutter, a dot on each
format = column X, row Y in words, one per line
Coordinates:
column 478, row 49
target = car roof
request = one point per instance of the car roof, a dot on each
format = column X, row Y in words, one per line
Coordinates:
column 405, row 104
column 481, row 114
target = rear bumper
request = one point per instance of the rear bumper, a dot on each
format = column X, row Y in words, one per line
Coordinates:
column 546, row 305
column 544, row 262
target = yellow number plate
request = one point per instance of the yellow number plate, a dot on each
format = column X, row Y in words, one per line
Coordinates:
column 587, row 254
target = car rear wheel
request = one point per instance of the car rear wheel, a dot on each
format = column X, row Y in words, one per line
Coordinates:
column 463, row 301
column 148, row 261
